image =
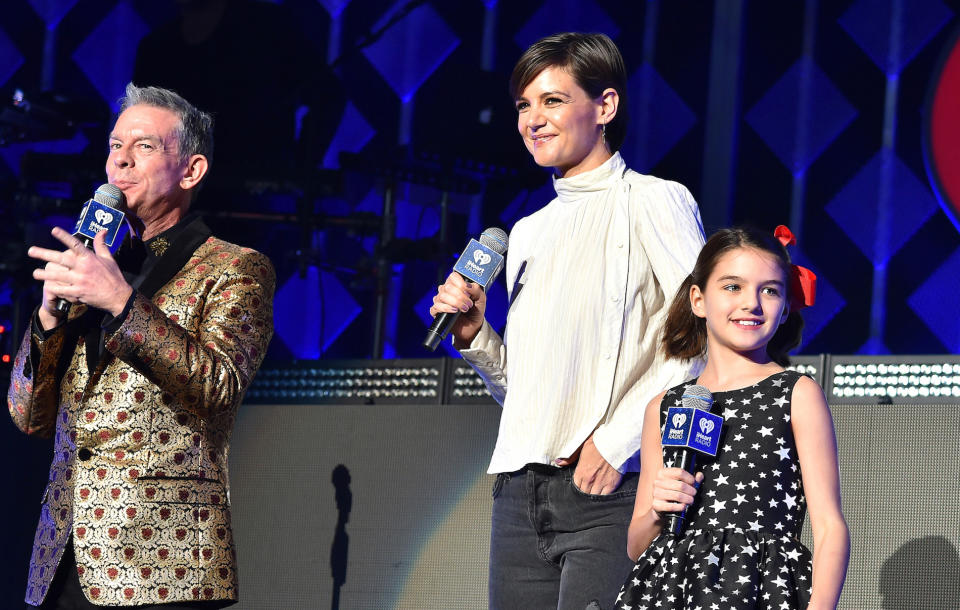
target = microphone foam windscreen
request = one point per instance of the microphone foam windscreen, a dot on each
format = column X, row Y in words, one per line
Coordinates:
column 494, row 238
column 110, row 195
column 697, row 397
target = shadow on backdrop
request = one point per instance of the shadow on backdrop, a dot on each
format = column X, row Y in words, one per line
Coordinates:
column 921, row 575
column 341, row 541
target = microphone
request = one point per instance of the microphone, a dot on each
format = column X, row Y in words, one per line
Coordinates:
column 691, row 429
column 104, row 211
column 479, row 263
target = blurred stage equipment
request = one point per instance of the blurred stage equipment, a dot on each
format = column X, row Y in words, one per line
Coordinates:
column 46, row 116
column 448, row 174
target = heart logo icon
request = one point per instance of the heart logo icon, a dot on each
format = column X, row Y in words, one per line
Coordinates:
column 103, row 217
column 480, row 257
column 706, row 426
column 679, row 419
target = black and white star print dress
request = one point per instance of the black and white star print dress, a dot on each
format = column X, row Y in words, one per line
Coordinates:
column 740, row 548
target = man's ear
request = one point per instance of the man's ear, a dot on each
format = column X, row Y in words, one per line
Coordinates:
column 197, row 166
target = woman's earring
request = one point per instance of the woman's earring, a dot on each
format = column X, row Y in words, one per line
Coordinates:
column 603, row 132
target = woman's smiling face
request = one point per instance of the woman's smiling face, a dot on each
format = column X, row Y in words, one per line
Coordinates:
column 560, row 123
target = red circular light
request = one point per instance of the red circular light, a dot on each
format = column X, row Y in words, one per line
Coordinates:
column 942, row 131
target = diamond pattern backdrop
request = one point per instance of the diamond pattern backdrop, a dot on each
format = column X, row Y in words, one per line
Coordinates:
column 800, row 115
column 432, row 76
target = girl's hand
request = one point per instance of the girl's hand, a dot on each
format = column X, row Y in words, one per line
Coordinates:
column 674, row 489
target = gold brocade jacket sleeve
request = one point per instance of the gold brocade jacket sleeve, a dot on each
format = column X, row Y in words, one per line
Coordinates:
column 34, row 388
column 207, row 370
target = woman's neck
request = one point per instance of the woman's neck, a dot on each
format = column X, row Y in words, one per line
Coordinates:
column 729, row 370
column 599, row 155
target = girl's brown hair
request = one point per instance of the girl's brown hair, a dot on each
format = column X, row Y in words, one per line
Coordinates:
column 685, row 334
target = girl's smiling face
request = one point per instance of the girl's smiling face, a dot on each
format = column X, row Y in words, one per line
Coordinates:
column 743, row 302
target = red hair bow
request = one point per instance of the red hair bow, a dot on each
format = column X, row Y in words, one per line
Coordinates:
column 803, row 282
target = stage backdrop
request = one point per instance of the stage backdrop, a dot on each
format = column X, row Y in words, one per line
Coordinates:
column 901, row 499
column 410, row 526
column 389, row 501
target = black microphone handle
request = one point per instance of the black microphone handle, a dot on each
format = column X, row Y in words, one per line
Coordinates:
column 442, row 323
column 440, row 328
column 63, row 305
column 675, row 520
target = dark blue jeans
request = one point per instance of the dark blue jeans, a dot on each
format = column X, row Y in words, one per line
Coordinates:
column 553, row 546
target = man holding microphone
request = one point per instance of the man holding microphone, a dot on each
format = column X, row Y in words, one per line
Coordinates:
column 140, row 381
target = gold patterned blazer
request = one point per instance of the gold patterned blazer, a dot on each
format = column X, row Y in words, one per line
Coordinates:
column 141, row 439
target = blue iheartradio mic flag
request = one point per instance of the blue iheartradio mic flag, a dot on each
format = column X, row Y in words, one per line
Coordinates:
column 690, row 429
column 479, row 263
column 102, row 213
column 98, row 217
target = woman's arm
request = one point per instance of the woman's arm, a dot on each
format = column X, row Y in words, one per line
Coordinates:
column 817, row 450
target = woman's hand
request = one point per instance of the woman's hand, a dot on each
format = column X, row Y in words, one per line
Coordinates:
column 458, row 295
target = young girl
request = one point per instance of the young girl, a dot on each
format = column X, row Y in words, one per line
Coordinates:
column 740, row 544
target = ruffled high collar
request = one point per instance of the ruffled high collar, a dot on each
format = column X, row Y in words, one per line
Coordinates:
column 583, row 185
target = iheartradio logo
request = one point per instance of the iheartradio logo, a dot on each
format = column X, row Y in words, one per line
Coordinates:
column 481, row 258
column 103, row 217
column 679, row 419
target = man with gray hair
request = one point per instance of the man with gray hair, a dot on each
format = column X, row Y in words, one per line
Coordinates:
column 139, row 383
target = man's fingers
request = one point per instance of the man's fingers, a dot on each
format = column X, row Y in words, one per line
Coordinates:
column 66, row 259
column 56, row 282
column 43, row 254
column 51, row 273
column 68, row 240
column 53, row 266
column 100, row 244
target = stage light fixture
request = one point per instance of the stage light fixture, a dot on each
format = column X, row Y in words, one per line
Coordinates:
column 346, row 382
column 895, row 378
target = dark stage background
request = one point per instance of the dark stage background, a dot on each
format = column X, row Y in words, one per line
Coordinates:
column 803, row 113
column 361, row 142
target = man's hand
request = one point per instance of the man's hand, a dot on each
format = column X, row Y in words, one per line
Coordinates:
column 593, row 475
column 79, row 275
